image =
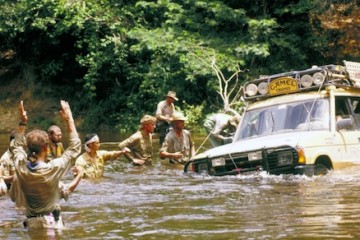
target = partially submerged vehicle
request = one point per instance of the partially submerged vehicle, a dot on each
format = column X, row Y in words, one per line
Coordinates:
column 300, row 122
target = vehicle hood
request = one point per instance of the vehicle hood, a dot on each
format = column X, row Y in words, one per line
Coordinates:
column 289, row 139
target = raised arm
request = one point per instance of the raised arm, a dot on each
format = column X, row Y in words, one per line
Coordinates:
column 23, row 119
column 66, row 114
column 74, row 148
column 18, row 143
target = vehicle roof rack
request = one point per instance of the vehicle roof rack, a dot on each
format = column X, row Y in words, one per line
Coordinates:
column 305, row 80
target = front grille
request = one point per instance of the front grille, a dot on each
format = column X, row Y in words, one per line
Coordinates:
column 239, row 162
column 271, row 159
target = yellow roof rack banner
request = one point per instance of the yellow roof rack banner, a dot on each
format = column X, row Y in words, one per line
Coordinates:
column 283, row 85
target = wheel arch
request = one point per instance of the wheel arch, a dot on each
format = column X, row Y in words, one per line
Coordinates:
column 325, row 161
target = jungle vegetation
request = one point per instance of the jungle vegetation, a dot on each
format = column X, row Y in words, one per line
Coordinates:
column 115, row 60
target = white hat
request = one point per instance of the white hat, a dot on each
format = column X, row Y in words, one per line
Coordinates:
column 172, row 94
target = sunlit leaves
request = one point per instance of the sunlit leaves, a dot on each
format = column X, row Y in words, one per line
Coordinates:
column 123, row 55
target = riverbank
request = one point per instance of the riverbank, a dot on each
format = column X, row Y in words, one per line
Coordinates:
column 41, row 111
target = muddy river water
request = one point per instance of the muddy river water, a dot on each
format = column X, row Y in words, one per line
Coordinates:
column 161, row 202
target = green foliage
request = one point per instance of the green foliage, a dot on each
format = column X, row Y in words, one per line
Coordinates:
column 194, row 115
column 116, row 59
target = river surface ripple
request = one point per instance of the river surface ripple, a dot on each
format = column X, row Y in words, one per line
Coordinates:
column 161, row 202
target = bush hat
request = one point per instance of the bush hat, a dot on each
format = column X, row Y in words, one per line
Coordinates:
column 172, row 94
column 147, row 119
column 178, row 116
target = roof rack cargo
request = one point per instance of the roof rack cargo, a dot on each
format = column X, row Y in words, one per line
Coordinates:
column 305, row 80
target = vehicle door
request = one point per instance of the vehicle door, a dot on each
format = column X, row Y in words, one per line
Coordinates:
column 347, row 117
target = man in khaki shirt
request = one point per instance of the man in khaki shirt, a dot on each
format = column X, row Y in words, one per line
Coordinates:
column 7, row 167
column 140, row 143
column 164, row 111
column 92, row 161
column 178, row 146
column 37, row 179
column 55, row 147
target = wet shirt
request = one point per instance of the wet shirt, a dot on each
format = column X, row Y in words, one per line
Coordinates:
column 173, row 143
column 140, row 144
column 39, row 182
column 8, row 167
column 54, row 151
column 94, row 166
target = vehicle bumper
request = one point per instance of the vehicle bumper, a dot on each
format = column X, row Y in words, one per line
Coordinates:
column 272, row 161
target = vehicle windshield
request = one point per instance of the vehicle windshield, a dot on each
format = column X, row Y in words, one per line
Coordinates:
column 289, row 117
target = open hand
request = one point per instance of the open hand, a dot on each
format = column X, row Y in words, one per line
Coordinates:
column 125, row 150
column 138, row 162
column 177, row 155
column 23, row 114
column 65, row 111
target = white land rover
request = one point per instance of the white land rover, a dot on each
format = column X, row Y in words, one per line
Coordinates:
column 301, row 122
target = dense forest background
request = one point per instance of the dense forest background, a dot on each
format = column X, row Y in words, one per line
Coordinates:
column 115, row 60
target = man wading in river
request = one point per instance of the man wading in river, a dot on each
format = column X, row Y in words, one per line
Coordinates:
column 178, row 145
column 39, row 181
column 164, row 111
column 140, row 143
column 92, row 161
column 55, row 147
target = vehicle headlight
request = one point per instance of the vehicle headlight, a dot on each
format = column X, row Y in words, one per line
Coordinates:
column 285, row 158
column 263, row 88
column 318, row 78
column 251, row 89
column 306, row 80
column 216, row 162
column 254, row 156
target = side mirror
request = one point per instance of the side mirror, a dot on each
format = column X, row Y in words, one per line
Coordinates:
column 344, row 124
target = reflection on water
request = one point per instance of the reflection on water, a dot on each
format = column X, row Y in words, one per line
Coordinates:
column 160, row 202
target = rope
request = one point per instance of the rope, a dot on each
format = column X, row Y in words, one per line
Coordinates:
column 203, row 142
